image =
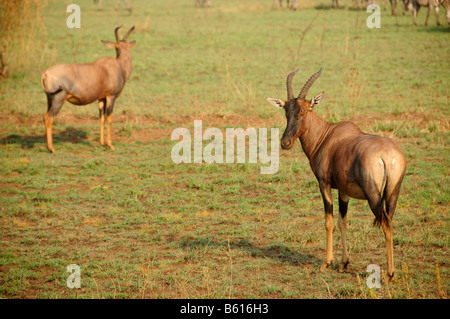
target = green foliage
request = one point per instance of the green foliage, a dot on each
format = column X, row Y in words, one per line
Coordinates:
column 140, row 226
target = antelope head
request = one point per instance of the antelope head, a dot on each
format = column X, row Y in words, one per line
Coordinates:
column 120, row 45
column 296, row 108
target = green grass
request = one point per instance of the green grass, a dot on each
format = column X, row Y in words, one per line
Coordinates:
column 140, row 226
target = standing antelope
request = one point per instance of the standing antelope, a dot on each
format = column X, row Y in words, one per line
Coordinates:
column 357, row 164
column 82, row 84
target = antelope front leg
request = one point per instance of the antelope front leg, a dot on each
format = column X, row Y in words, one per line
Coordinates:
column 101, row 109
column 428, row 14
column 327, row 200
column 108, row 131
column 109, row 111
column 436, row 10
column 394, row 7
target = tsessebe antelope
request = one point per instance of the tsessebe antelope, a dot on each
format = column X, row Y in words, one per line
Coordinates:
column 127, row 4
column 292, row 6
column 203, row 3
column 82, row 84
column 416, row 4
column 357, row 164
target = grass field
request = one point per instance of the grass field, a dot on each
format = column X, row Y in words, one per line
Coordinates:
column 141, row 226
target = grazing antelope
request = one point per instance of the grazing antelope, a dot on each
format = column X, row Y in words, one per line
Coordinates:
column 393, row 7
column 203, row 3
column 335, row 4
column 342, row 157
column 416, row 4
column 127, row 4
column 446, row 5
column 364, row 4
column 406, row 5
column 82, row 84
column 292, row 6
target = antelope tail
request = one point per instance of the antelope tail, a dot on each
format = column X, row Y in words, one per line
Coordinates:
column 382, row 215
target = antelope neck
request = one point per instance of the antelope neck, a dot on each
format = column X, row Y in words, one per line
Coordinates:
column 124, row 60
column 312, row 133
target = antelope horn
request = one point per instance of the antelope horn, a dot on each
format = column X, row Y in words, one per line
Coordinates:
column 308, row 84
column 290, row 92
column 116, row 32
column 128, row 33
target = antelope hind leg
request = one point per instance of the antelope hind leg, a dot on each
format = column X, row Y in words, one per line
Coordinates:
column 48, row 121
column 54, row 104
column 387, row 229
column 342, row 222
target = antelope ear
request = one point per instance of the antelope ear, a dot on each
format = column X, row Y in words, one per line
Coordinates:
column 109, row 44
column 276, row 102
column 316, row 99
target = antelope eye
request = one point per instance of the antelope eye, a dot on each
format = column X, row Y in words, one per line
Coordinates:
column 302, row 110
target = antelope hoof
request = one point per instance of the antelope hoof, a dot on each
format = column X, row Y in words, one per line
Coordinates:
column 344, row 267
column 325, row 266
column 51, row 149
column 390, row 276
column 110, row 146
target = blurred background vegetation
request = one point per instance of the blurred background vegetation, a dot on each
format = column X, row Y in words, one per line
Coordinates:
column 23, row 35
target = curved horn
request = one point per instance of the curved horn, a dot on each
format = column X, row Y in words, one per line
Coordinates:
column 308, row 84
column 290, row 92
column 128, row 33
column 116, row 32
